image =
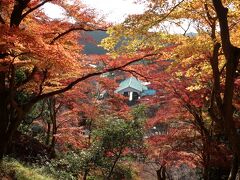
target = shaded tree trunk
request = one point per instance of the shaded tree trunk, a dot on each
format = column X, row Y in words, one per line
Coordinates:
column 161, row 173
column 232, row 55
column 85, row 174
column 11, row 115
column 3, row 116
column 53, row 116
column 113, row 166
column 234, row 168
column 8, row 126
column 116, row 160
column 206, row 159
column 48, row 133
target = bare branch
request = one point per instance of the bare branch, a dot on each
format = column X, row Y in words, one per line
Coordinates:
column 133, row 72
column 42, row 82
column 79, row 28
column 170, row 12
column 222, row 69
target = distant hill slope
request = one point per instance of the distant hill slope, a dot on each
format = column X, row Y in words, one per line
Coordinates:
column 91, row 41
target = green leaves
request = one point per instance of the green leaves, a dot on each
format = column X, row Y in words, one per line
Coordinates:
column 117, row 134
column 114, row 139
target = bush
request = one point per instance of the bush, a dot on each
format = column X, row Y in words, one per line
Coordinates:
column 19, row 171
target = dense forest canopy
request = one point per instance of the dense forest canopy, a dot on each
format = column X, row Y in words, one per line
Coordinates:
column 62, row 99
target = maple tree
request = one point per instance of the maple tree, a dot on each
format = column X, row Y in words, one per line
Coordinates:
column 197, row 77
column 207, row 73
column 176, row 132
column 28, row 60
column 37, row 64
column 81, row 107
column 113, row 141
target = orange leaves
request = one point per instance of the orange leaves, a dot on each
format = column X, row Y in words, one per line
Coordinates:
column 73, row 136
column 175, row 147
column 33, row 3
column 63, row 59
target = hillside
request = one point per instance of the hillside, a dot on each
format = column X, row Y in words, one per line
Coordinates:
column 90, row 41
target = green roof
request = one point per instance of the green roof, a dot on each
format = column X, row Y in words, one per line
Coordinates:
column 131, row 82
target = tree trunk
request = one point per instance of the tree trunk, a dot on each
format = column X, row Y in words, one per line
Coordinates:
column 52, row 104
column 8, row 127
column 232, row 55
column 161, row 173
column 3, row 115
column 3, row 147
column 113, row 166
column 6, row 120
column 54, row 132
column 48, row 133
column 206, row 140
column 11, row 113
column 206, row 168
column 16, row 16
column 114, row 163
column 234, row 168
column 85, row 174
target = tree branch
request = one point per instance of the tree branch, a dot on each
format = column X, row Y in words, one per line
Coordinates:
column 84, row 77
column 80, row 28
column 133, row 72
column 16, row 16
column 2, row 20
column 42, row 82
column 170, row 12
column 216, row 75
column 34, row 8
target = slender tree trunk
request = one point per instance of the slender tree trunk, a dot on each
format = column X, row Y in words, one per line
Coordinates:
column 161, row 173
column 4, row 116
column 48, row 133
column 52, row 104
column 234, row 168
column 206, row 168
column 85, row 174
column 206, row 140
column 90, row 133
column 54, row 132
column 3, row 147
column 114, row 164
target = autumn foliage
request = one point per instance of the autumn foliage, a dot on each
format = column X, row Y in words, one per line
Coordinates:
column 47, row 81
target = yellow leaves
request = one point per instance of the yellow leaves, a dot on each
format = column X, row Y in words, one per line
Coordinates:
column 108, row 43
column 194, row 87
column 199, row 70
column 123, row 40
column 199, row 45
column 179, row 74
column 235, row 36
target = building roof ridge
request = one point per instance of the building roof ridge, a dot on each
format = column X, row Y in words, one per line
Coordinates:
column 130, row 81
